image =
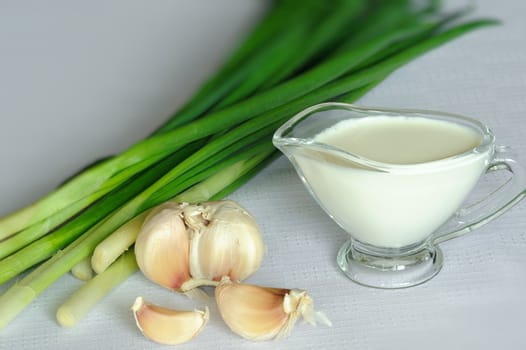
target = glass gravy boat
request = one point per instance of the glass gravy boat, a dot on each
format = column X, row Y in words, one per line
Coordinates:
column 397, row 214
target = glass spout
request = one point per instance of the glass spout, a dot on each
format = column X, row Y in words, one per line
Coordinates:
column 297, row 137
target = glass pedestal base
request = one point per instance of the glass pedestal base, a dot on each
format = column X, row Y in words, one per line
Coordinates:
column 388, row 269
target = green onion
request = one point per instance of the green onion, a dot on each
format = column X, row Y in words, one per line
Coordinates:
column 329, row 32
column 83, row 270
column 113, row 246
column 42, row 249
column 78, row 305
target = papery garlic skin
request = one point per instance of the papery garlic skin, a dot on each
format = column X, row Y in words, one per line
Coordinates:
column 225, row 240
column 263, row 313
column 162, row 247
column 168, row 326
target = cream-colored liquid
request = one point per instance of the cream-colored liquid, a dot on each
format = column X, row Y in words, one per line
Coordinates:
column 400, row 140
column 399, row 208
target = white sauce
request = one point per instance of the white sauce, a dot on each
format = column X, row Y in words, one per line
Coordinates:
column 399, row 208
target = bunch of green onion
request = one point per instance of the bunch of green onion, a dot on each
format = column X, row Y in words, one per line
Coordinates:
column 300, row 53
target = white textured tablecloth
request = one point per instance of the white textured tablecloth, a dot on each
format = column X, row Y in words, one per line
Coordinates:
column 80, row 80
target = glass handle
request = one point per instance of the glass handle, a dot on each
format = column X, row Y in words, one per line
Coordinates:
column 493, row 204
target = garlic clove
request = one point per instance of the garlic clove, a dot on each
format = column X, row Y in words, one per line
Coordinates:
column 162, row 247
column 263, row 313
column 168, row 326
column 225, row 241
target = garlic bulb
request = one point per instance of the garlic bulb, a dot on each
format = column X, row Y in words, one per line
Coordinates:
column 183, row 246
column 225, row 241
column 263, row 313
column 168, row 326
